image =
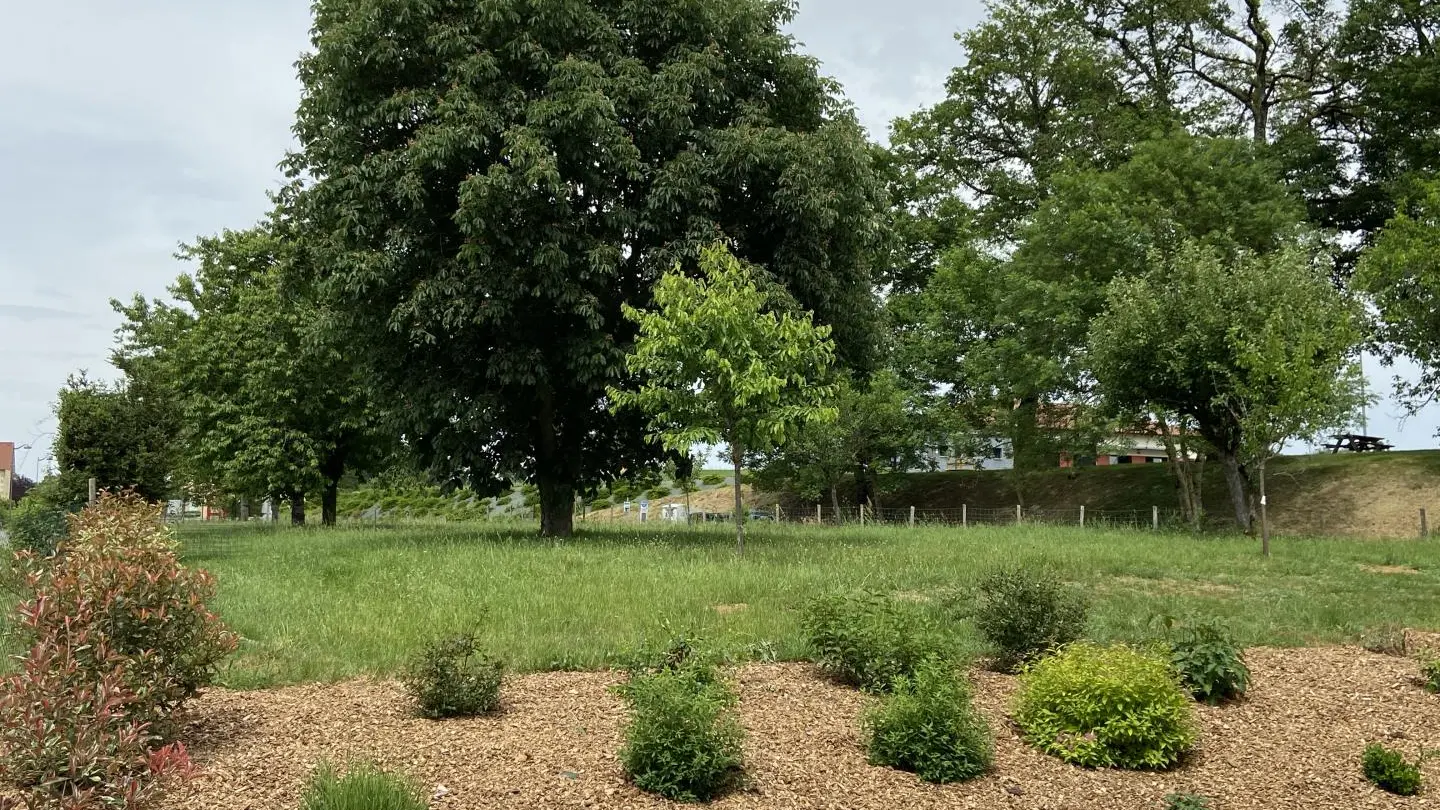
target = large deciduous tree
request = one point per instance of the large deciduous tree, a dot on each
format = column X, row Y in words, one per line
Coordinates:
column 121, row 434
column 495, row 181
column 717, row 363
column 1401, row 273
column 266, row 411
column 1256, row 349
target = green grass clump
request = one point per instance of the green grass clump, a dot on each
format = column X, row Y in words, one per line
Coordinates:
column 683, row 740
column 929, row 726
column 452, row 677
column 1105, row 707
column 1390, row 771
column 1027, row 612
column 363, row 787
column 1210, row 663
column 867, row 640
column 1187, row 801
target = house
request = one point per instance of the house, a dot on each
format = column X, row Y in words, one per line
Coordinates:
column 7, row 469
column 1141, row 443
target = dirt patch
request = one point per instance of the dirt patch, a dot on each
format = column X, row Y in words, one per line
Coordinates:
column 1189, row 587
column 1294, row 743
column 726, row 610
column 1390, row 569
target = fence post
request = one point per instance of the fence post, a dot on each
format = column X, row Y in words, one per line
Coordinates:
column 92, row 491
column 819, row 518
column 1424, row 527
column 1155, row 518
column 964, row 515
column 1082, row 515
column 912, row 517
column 862, row 514
column 1018, row 517
column 777, row 513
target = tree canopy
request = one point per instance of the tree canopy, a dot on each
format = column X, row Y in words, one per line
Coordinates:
column 493, row 184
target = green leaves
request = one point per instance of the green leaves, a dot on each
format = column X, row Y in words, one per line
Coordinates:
column 714, row 364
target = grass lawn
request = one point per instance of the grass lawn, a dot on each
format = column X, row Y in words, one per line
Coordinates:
column 314, row 604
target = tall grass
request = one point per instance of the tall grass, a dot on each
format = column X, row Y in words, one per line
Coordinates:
column 313, row 604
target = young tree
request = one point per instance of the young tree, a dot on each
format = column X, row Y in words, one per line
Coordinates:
column 714, row 363
column 1401, row 273
column 493, row 183
column 1256, row 349
column 266, row 410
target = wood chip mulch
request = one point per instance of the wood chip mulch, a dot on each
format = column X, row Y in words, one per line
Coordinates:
column 1295, row 742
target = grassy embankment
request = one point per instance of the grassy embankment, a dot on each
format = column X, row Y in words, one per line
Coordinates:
column 321, row 605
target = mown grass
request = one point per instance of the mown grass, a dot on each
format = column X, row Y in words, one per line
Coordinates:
column 317, row 605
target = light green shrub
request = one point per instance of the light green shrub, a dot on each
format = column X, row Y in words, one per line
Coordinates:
column 1105, row 707
column 683, row 740
column 867, row 640
column 363, row 787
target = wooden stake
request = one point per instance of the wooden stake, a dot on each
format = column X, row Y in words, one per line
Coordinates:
column 964, row 515
column 1018, row 517
column 1155, row 518
column 1082, row 515
column 912, row 517
column 92, row 492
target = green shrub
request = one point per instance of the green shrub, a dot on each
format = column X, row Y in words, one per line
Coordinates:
column 1025, row 614
column 712, row 480
column 363, row 787
column 1105, row 707
column 452, row 677
column 683, row 740
column 866, row 640
column 657, row 493
column 1186, row 801
column 37, row 526
column 1210, row 664
column 1387, row 639
column 1430, row 673
column 929, row 726
column 1390, row 771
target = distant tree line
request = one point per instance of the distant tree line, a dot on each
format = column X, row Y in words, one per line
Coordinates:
column 1172, row 214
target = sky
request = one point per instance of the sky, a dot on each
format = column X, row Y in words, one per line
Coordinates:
column 129, row 128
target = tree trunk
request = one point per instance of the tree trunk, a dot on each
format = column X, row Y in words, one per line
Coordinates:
column 297, row 509
column 557, row 508
column 835, row 500
column 1188, row 474
column 329, row 502
column 1238, row 484
column 737, row 455
column 1264, row 511
column 555, row 473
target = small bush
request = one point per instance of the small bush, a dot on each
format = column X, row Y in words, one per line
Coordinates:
column 657, row 493
column 712, row 479
column 1210, row 664
column 1025, row 614
column 363, row 787
column 36, row 526
column 1186, row 801
column 1390, row 771
column 1430, row 673
column 929, row 726
column 451, row 677
column 1105, row 707
column 866, row 640
column 1387, row 639
column 683, row 740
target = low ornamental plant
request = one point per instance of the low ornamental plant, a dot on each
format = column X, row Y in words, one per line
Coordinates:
column 866, row 640
column 1210, row 663
column 118, row 637
column 1187, row 801
column 928, row 725
column 1430, row 672
column 363, row 787
column 683, row 741
column 1390, row 771
column 1025, row 613
column 1105, row 707
column 453, row 677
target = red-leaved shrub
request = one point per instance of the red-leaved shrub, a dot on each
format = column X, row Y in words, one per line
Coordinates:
column 119, row 638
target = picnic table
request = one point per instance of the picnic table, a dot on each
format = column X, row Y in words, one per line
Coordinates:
column 1356, row 443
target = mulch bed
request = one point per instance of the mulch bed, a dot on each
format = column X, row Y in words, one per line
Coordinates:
column 1295, row 742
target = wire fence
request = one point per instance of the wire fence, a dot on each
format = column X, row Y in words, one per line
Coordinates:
column 965, row 515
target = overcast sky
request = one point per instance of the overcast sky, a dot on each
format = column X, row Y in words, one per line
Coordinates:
column 126, row 128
